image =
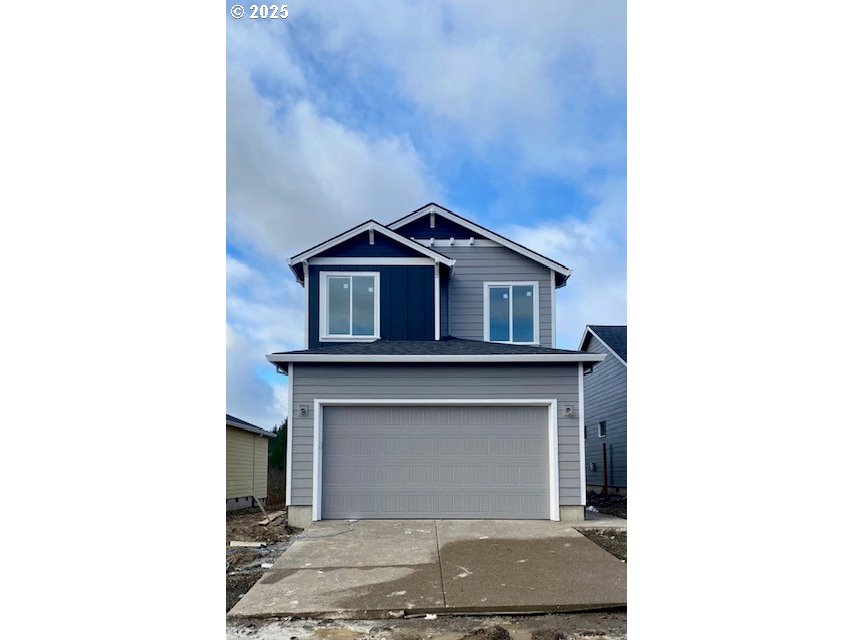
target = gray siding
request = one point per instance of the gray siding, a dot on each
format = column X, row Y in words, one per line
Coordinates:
column 416, row 381
column 476, row 265
column 605, row 392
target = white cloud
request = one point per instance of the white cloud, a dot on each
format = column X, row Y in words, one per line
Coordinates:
column 248, row 397
column 531, row 75
column 593, row 246
column 288, row 165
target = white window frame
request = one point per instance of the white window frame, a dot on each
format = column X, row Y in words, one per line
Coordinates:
column 602, row 435
column 324, row 306
column 486, row 311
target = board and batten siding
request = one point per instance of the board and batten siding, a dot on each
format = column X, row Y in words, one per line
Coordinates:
column 476, row 265
column 435, row 381
column 246, row 464
column 605, row 394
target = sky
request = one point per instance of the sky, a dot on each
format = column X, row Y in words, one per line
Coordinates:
column 512, row 115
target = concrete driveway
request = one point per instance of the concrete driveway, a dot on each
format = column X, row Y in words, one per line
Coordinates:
column 378, row 568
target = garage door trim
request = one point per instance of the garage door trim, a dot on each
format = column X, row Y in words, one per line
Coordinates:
column 550, row 403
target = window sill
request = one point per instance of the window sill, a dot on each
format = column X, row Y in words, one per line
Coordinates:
column 522, row 344
column 348, row 338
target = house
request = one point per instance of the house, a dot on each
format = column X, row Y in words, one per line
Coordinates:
column 245, row 463
column 606, row 409
column 429, row 386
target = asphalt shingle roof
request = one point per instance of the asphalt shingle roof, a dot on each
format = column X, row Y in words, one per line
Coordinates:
column 448, row 346
column 231, row 421
column 616, row 337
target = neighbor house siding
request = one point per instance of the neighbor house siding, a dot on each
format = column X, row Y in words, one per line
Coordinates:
column 476, row 265
column 434, row 381
column 605, row 393
column 246, row 464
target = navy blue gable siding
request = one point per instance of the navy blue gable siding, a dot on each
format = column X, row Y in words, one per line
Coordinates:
column 406, row 301
column 360, row 247
column 444, row 229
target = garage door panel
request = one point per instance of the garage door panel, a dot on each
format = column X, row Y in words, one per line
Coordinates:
column 433, row 461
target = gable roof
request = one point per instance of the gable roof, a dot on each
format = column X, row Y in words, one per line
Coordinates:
column 231, row 421
column 614, row 337
column 448, row 349
column 371, row 225
column 432, row 207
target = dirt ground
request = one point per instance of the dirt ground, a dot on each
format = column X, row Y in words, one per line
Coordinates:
column 610, row 625
column 609, row 504
column 243, row 565
column 613, row 541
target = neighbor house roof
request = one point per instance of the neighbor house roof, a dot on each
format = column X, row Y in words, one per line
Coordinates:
column 447, row 349
column 614, row 337
column 432, row 207
column 371, row 225
column 231, row 421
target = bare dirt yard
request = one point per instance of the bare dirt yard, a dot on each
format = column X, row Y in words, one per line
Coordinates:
column 614, row 541
column 244, row 565
column 607, row 625
column 609, row 504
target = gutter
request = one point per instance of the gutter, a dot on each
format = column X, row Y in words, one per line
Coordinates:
column 284, row 358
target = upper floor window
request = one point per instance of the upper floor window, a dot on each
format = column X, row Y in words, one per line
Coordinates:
column 349, row 305
column 511, row 312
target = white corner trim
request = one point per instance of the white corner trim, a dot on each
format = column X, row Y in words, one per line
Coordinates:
column 486, row 311
column 288, row 489
column 305, row 283
column 553, row 449
column 369, row 226
column 324, row 307
column 553, row 310
column 553, row 461
column 437, row 303
column 586, row 331
column 484, row 232
column 581, row 426
column 317, row 497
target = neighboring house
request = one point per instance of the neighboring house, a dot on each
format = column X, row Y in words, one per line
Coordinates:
column 429, row 386
column 606, row 408
column 245, row 463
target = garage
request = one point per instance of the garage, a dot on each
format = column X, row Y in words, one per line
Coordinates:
column 434, row 461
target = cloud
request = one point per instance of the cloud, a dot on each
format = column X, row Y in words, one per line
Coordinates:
column 287, row 164
column 264, row 314
column 543, row 78
column 593, row 246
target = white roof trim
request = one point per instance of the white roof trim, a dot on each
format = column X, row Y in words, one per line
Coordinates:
column 482, row 231
column 587, row 331
column 520, row 357
column 370, row 226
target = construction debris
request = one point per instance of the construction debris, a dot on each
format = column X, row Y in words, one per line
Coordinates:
column 245, row 543
column 270, row 518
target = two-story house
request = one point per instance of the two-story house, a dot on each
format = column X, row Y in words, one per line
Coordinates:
column 430, row 386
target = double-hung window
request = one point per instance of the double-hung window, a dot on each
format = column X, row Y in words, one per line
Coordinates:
column 349, row 306
column 511, row 312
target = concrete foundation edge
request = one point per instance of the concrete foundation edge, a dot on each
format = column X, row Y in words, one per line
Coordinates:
column 299, row 516
column 571, row 513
